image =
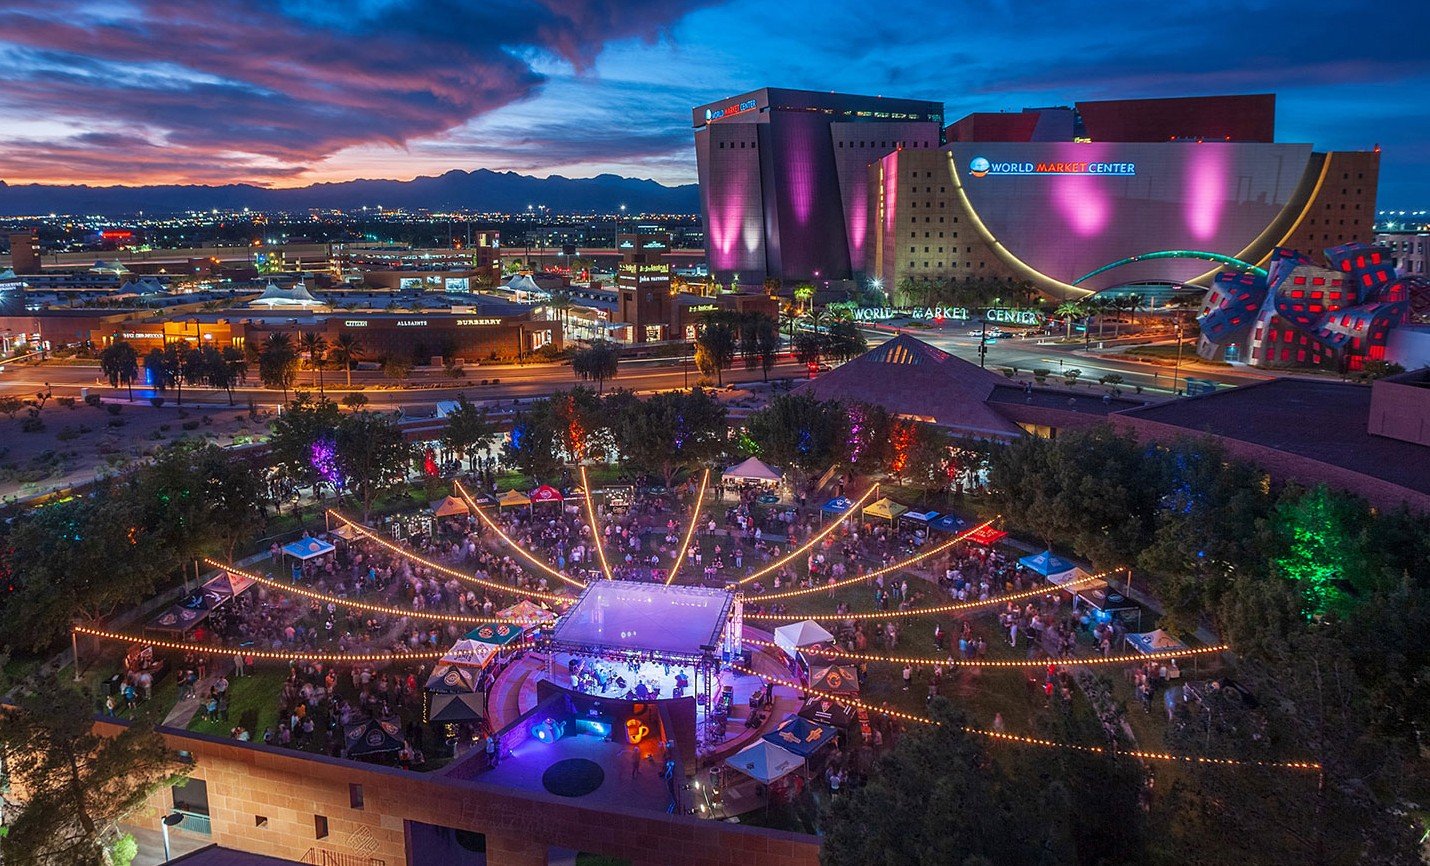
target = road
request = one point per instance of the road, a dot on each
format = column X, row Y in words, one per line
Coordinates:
column 514, row 383
column 1027, row 355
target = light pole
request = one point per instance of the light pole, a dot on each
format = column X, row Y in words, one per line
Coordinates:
column 173, row 819
column 1178, row 368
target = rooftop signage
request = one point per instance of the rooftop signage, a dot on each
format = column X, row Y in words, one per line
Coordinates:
column 730, row 110
column 999, row 315
column 479, row 321
column 981, row 166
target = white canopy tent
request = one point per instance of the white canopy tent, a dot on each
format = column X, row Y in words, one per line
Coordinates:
column 801, row 634
column 752, row 469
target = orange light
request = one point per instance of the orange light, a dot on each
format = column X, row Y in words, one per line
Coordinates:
column 472, row 504
column 596, row 539
column 813, row 540
column 271, row 655
column 689, row 530
column 919, row 611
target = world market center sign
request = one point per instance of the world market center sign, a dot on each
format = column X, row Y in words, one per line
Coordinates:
column 999, row 315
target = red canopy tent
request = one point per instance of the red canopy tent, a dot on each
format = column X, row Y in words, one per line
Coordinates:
column 987, row 536
column 546, row 493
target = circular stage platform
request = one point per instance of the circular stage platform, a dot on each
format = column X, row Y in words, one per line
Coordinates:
column 573, row 777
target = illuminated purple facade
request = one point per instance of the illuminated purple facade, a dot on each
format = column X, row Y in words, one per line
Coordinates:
column 784, row 181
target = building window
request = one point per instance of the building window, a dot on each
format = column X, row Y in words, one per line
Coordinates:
column 192, row 797
column 320, row 827
column 260, row 821
column 355, row 795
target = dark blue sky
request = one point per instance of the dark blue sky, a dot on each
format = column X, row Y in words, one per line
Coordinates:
column 288, row 92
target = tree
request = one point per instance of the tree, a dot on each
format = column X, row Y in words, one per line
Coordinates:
column 804, row 294
column 81, row 558
column 278, row 363
column 467, row 427
column 78, row 784
column 315, row 348
column 671, row 431
column 120, row 363
column 533, row 446
column 180, row 366
column 355, row 400
column 156, row 370
column 598, row 361
column 767, row 342
column 372, row 455
column 345, row 351
column 798, row 433
column 1069, row 310
column 716, row 344
column 397, row 367
column 808, row 348
column 197, row 499
column 845, row 341
column 10, row 405
column 301, row 425
column 1070, row 376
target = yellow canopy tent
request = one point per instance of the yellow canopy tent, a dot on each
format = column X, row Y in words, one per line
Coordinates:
column 513, row 498
column 886, row 508
column 449, row 506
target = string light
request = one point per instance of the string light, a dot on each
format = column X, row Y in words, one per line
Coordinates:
column 279, row 655
column 904, row 563
column 472, row 504
column 920, row 611
column 363, row 605
column 813, row 540
column 1000, row 663
column 690, row 530
column 437, row 566
column 595, row 525
column 1034, row 741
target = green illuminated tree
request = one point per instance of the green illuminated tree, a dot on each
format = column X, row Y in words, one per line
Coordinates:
column 1317, row 546
column 798, row 433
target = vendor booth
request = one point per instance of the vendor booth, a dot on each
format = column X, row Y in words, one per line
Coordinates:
column 835, row 679
column 546, row 494
column 987, row 536
column 513, row 499
column 450, row 506
column 528, row 612
column 949, row 523
column 752, row 471
column 801, row 736
column 827, row 711
column 885, row 509
column 801, row 634
column 370, row 738
column 836, row 506
column 921, row 519
column 305, row 549
column 765, row 762
column 1157, row 641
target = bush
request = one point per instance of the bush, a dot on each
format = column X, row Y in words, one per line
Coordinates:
column 116, row 422
column 114, row 408
column 32, row 425
column 190, row 425
column 67, row 402
column 68, row 433
column 1042, row 374
column 207, row 420
column 92, row 400
column 164, row 428
column 156, row 402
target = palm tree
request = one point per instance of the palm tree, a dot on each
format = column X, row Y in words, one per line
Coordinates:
column 314, row 346
column 345, row 352
column 278, row 362
column 1068, row 311
column 120, row 363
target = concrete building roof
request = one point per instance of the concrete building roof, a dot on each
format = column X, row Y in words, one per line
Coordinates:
column 1314, row 420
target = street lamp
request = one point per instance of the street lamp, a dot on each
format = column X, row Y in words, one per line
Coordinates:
column 173, row 819
column 1178, row 368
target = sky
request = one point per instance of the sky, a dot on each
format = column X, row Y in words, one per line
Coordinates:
column 291, row 92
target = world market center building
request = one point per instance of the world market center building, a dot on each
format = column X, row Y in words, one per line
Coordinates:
column 1153, row 196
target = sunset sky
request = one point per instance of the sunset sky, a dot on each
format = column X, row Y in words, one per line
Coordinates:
column 288, row 92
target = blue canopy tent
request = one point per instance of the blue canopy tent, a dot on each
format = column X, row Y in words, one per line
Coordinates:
column 801, row 736
column 838, row 505
column 949, row 523
column 1047, row 564
column 305, row 549
column 498, row 634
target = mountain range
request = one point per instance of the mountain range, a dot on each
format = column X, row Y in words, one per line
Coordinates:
column 481, row 190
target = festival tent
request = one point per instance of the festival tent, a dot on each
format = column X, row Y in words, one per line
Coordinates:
column 795, row 635
column 468, row 655
column 828, row 711
column 838, row 505
column 1047, row 564
column 453, row 679
column 920, row 517
column 307, row 548
column 752, row 469
column 237, row 583
column 949, row 523
column 546, row 493
column 177, row 619
column 885, row 508
column 801, row 736
column 448, row 507
column 835, row 679
column 371, row 737
column 1154, row 642
column 765, row 762
column 495, row 634
column 346, row 532
column 527, row 610
column 513, row 498
column 987, row 536
column 449, row 708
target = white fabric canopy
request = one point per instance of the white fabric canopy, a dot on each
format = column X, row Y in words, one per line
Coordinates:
column 795, row 635
column 752, row 469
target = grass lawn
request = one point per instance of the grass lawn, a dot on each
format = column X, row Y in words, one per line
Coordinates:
column 253, row 703
column 1168, row 354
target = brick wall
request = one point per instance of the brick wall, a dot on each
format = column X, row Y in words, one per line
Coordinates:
column 289, row 788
